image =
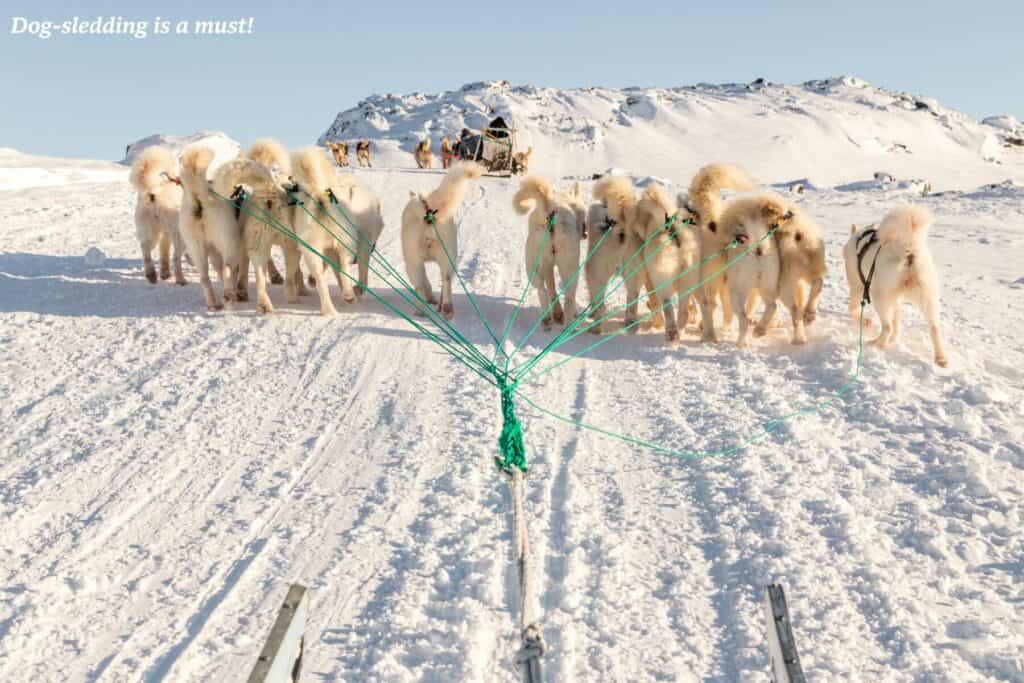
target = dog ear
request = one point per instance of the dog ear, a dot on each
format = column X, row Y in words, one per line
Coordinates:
column 853, row 229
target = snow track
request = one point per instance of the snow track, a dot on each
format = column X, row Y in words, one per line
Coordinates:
column 168, row 472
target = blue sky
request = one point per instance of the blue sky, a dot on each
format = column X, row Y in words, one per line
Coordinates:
column 88, row 96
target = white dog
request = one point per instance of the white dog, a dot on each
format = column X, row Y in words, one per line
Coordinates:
column 671, row 254
column 893, row 263
column 553, row 241
column 748, row 220
column 319, row 222
column 365, row 211
column 612, row 246
column 155, row 176
column 424, row 220
column 208, row 224
column 705, row 200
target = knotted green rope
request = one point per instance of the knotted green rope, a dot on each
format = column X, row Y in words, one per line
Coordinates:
column 510, row 443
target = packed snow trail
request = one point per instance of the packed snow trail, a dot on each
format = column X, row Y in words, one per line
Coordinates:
column 169, row 471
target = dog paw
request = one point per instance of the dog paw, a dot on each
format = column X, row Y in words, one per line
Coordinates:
column 215, row 307
column 798, row 341
column 241, row 295
column 349, row 298
column 151, row 276
column 942, row 361
column 810, row 316
column 742, row 344
column 181, row 281
column 265, row 308
column 446, row 310
column 311, row 279
column 276, row 279
column 165, row 275
column 672, row 338
column 760, row 331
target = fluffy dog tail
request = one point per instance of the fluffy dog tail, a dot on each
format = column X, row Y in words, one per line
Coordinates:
column 618, row 195
column 907, row 224
column 241, row 172
column 706, row 188
column 147, row 171
column 272, row 154
column 452, row 190
column 195, row 161
column 656, row 195
column 313, row 171
column 534, row 191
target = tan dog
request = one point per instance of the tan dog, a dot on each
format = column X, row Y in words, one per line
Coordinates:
column 155, row 177
column 749, row 221
column 607, row 253
column 802, row 261
column 427, row 222
column 521, row 162
column 705, row 200
column 671, row 252
column 258, row 237
column 363, row 153
column 208, row 224
column 424, row 157
column 446, row 153
column 340, row 152
column 553, row 241
column 896, row 262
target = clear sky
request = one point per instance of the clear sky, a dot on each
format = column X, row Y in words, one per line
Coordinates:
column 88, row 96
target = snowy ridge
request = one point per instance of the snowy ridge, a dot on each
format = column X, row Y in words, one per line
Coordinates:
column 830, row 131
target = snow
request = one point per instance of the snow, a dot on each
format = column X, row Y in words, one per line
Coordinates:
column 224, row 146
column 168, row 471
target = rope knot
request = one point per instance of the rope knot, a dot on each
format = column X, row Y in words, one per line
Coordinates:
column 510, row 443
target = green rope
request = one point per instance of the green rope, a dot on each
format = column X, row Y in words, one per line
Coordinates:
column 521, row 375
column 603, row 294
column 519, row 304
column 561, row 292
column 430, row 218
column 510, row 443
column 455, row 351
column 766, row 428
column 424, row 308
column 511, row 440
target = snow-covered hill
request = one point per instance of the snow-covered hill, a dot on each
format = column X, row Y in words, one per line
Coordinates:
column 830, row 131
column 166, row 471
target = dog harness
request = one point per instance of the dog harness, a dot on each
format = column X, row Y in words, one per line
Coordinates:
column 670, row 222
column 430, row 214
column 238, row 197
column 865, row 240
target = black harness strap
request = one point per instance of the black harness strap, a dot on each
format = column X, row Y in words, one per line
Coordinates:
column 865, row 240
column 430, row 214
column 670, row 226
column 239, row 197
